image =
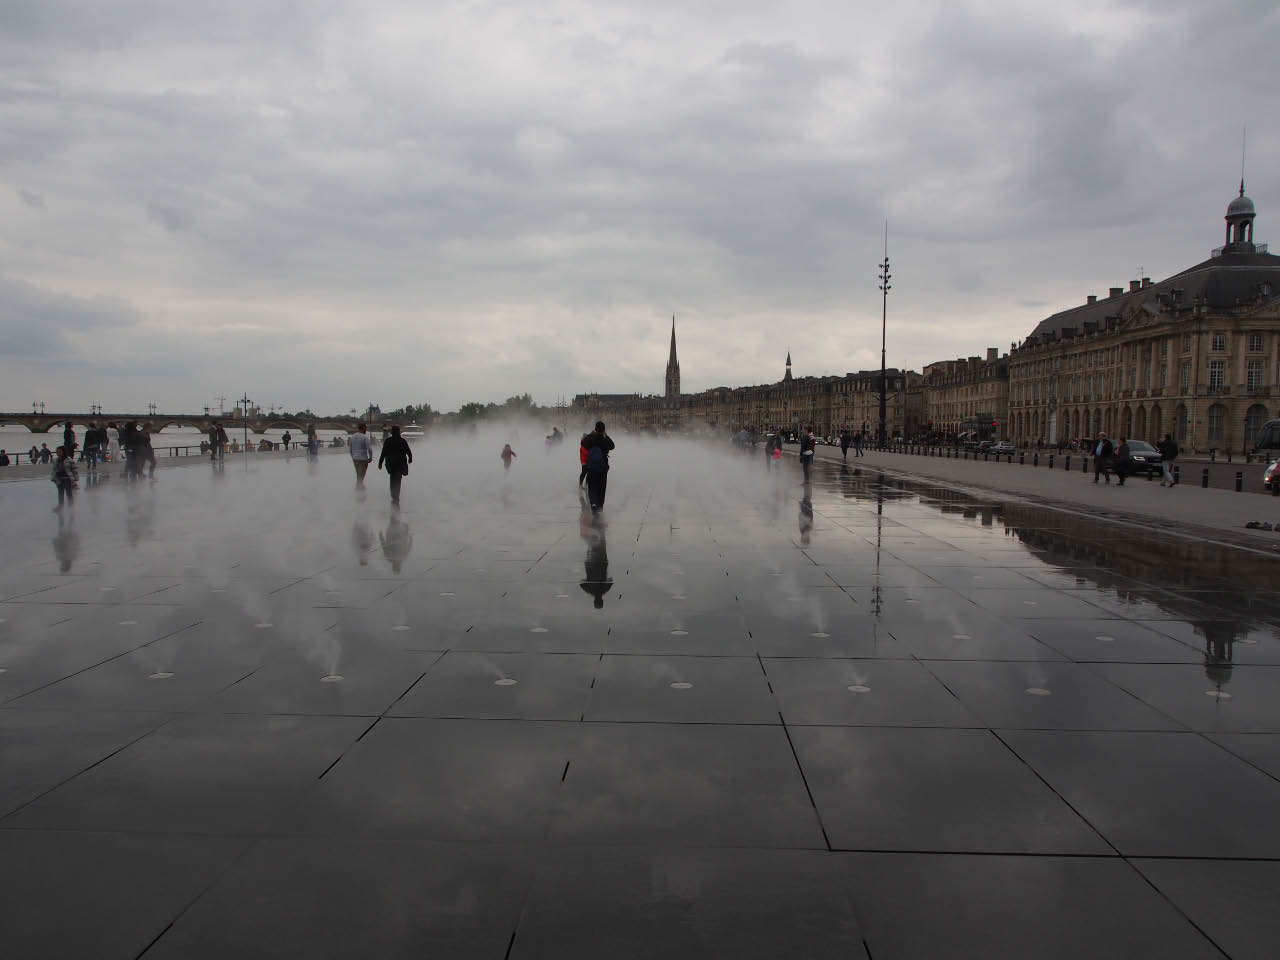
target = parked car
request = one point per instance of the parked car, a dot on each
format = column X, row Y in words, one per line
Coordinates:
column 1144, row 458
column 1003, row 448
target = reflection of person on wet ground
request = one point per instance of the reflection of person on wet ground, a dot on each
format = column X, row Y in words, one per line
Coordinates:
column 361, row 540
column 397, row 456
column 140, row 516
column 360, row 446
column 507, row 456
column 65, row 477
column 598, row 444
column 1219, row 640
column 595, row 567
column 806, row 514
column 66, row 545
column 396, row 541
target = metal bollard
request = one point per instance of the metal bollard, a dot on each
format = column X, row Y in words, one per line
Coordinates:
column 1213, row 455
column 1022, row 459
column 1177, row 474
column 1228, row 456
column 1239, row 482
column 1068, row 466
column 1035, row 459
column 1204, row 478
column 1050, row 461
column 1085, row 466
column 986, row 456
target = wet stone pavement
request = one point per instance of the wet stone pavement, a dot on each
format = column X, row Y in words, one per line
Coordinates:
column 245, row 714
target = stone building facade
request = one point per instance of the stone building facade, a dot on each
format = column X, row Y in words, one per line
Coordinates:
column 968, row 397
column 1196, row 355
column 828, row 403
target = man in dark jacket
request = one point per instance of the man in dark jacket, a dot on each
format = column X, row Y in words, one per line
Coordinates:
column 1168, row 454
column 1102, row 454
column 397, row 456
column 597, row 444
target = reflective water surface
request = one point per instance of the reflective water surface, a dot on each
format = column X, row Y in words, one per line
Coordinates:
column 728, row 714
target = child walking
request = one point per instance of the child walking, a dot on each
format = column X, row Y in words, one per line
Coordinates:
column 507, row 456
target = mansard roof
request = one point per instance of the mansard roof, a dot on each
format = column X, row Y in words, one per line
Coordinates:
column 1223, row 282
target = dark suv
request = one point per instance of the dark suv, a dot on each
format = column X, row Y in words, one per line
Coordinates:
column 1144, row 458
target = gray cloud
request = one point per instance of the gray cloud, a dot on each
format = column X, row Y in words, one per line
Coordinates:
column 479, row 200
column 31, row 199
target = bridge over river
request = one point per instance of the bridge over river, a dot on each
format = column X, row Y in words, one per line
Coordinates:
column 156, row 422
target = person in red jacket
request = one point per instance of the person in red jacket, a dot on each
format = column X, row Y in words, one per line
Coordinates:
column 582, row 458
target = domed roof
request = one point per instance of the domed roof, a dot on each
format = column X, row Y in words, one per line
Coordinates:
column 1241, row 206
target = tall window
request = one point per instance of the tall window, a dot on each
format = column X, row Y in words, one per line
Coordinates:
column 1133, row 377
column 1255, row 343
column 1164, row 374
column 1186, row 377
column 1253, row 374
column 1217, row 373
column 1186, row 343
column 1217, row 420
column 1218, row 343
column 1164, row 347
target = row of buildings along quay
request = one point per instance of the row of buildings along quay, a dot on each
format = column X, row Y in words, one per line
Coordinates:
column 1196, row 355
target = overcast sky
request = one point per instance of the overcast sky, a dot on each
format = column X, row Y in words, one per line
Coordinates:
column 328, row 203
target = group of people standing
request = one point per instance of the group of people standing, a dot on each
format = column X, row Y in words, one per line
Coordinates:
column 1116, row 458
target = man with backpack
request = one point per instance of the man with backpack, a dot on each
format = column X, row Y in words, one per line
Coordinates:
column 597, row 444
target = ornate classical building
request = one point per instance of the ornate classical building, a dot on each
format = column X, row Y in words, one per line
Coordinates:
column 1196, row 355
column 968, row 397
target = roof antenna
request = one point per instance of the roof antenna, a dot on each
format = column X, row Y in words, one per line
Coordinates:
column 1244, row 139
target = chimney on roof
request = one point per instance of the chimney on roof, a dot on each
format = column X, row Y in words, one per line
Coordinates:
column 1091, row 298
column 1135, row 286
column 1115, row 291
column 1146, row 282
column 993, row 353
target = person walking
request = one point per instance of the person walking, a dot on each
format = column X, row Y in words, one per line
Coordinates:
column 582, row 458
column 1168, row 453
column 360, row 446
column 146, row 454
column 69, row 439
column 286, row 439
column 857, row 443
column 313, row 444
column 113, row 442
column 807, row 449
column 396, row 456
column 4, row 458
column 1102, row 454
column 598, row 444
column 45, row 453
column 507, row 455
column 92, row 449
column 773, row 449
column 1122, row 460
column 844, row 443
column 64, row 478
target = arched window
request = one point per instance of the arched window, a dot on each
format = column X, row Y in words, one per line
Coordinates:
column 1217, row 424
column 1140, row 425
column 1180, row 422
column 1157, row 423
column 1126, row 421
column 1254, row 418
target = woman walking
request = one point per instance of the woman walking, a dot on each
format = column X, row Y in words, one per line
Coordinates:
column 397, row 456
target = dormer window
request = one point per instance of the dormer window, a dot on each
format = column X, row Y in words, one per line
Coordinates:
column 1218, row 343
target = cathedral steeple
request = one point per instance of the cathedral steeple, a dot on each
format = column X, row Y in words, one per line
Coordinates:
column 787, row 375
column 673, row 366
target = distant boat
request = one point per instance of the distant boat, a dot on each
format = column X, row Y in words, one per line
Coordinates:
column 412, row 432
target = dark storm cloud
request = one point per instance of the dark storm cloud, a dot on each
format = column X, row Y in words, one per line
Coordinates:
column 484, row 199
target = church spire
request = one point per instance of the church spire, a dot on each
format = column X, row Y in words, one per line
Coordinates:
column 787, row 375
column 673, row 366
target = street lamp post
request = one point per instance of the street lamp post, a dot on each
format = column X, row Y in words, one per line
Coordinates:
column 884, row 312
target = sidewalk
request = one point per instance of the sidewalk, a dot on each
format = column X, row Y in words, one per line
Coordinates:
column 41, row 471
column 1186, row 508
